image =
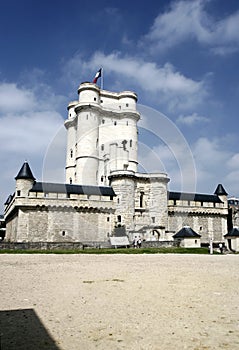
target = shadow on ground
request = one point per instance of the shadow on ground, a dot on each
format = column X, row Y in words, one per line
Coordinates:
column 23, row 330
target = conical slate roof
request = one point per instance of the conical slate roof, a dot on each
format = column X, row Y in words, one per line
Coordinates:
column 25, row 172
column 220, row 191
column 186, row 232
column 234, row 232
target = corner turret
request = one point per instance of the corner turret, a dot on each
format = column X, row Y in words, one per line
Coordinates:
column 25, row 173
column 222, row 194
column 220, row 191
column 24, row 180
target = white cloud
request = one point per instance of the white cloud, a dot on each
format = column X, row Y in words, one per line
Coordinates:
column 188, row 20
column 148, row 75
column 28, row 133
column 224, row 51
column 15, row 99
column 26, row 129
column 169, row 152
column 176, row 90
column 192, row 119
column 209, row 153
column 233, row 162
column 216, row 164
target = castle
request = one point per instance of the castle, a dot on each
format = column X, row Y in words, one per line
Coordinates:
column 103, row 189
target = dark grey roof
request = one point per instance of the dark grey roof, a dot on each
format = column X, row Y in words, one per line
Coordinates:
column 234, row 232
column 9, row 199
column 198, row 197
column 48, row 187
column 220, row 191
column 25, row 172
column 186, row 232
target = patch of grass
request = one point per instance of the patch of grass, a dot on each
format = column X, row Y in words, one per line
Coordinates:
column 163, row 250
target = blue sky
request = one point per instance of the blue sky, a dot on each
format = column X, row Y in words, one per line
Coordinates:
column 180, row 57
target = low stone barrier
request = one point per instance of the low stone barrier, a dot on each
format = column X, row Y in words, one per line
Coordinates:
column 52, row 245
column 76, row 245
column 159, row 244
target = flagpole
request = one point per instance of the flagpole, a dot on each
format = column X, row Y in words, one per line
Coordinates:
column 102, row 79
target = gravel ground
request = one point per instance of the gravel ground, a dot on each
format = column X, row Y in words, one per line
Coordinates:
column 148, row 302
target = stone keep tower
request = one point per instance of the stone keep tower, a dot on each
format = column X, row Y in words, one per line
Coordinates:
column 102, row 135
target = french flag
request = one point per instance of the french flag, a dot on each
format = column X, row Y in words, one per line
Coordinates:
column 97, row 76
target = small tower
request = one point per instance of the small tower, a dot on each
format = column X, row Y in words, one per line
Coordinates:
column 24, row 180
column 221, row 193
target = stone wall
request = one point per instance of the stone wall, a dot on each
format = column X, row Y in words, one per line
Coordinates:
column 52, row 245
column 207, row 224
column 59, row 224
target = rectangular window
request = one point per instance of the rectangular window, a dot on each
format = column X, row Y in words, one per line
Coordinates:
column 141, row 198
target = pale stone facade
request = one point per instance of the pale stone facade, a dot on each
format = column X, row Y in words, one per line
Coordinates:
column 103, row 189
column 232, row 239
column 102, row 135
column 233, row 204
